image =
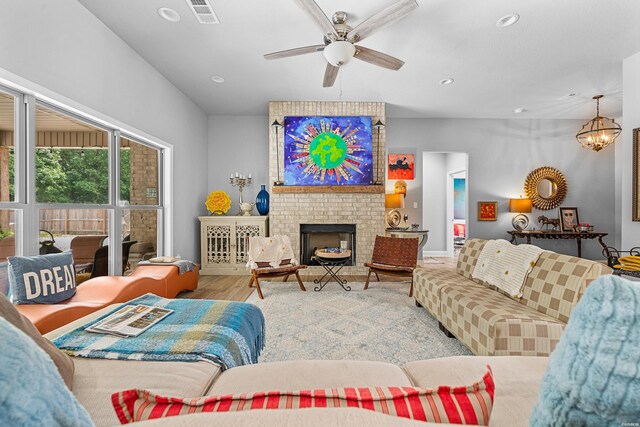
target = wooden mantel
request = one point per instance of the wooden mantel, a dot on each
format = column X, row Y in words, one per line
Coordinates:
column 289, row 189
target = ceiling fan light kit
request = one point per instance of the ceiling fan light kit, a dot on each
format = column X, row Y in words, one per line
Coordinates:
column 339, row 53
column 339, row 38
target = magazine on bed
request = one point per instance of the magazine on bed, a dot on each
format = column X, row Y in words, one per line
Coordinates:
column 130, row 320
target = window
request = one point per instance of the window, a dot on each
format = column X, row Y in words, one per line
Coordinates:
column 60, row 188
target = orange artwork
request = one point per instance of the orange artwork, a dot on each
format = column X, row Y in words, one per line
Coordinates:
column 487, row 211
column 400, row 166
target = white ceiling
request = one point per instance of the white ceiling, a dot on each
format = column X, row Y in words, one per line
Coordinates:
column 558, row 47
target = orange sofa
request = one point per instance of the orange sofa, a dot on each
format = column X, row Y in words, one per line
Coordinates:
column 99, row 292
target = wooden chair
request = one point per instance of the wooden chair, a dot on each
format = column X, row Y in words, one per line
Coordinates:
column 278, row 248
column 394, row 257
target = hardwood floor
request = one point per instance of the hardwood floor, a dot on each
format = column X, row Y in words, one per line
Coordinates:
column 235, row 288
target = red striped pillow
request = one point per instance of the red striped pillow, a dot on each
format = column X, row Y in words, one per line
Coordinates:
column 456, row 405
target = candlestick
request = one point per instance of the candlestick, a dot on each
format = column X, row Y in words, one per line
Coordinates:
column 240, row 181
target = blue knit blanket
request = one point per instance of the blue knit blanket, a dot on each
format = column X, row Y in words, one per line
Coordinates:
column 227, row 333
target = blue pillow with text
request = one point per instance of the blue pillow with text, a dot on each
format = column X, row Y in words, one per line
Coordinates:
column 42, row 279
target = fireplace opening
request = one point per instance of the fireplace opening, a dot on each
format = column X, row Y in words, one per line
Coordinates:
column 320, row 236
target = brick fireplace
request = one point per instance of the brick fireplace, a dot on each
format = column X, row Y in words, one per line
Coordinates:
column 366, row 211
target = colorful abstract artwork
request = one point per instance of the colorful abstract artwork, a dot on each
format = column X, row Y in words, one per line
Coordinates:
column 459, row 198
column 487, row 211
column 400, row 166
column 325, row 150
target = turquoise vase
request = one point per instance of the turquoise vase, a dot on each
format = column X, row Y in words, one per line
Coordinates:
column 262, row 201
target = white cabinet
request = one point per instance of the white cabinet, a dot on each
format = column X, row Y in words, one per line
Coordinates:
column 224, row 242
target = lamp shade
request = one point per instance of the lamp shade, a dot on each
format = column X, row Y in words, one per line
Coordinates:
column 520, row 205
column 394, row 201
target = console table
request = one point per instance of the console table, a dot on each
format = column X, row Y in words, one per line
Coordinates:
column 423, row 235
column 560, row 235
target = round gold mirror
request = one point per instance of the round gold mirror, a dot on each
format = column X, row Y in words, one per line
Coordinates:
column 546, row 187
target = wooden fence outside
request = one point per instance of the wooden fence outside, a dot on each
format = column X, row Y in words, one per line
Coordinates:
column 74, row 221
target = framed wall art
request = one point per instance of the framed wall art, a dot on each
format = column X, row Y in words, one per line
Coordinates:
column 401, row 166
column 636, row 176
column 328, row 150
column 487, row 211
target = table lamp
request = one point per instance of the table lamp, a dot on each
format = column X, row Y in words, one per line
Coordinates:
column 394, row 202
column 520, row 206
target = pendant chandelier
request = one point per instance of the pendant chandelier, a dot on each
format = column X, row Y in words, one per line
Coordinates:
column 598, row 132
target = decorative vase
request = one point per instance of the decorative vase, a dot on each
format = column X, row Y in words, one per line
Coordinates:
column 262, row 201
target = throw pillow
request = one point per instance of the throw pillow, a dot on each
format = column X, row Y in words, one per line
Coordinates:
column 593, row 377
column 63, row 362
column 42, row 279
column 31, row 390
column 469, row 405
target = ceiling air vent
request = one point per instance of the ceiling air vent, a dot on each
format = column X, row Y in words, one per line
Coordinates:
column 203, row 11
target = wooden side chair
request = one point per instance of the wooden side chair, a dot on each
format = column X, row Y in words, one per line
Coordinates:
column 272, row 257
column 393, row 256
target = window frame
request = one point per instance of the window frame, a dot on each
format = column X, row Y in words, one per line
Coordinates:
column 27, row 209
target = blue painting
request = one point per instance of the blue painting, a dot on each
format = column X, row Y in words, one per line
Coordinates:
column 326, row 150
column 459, row 198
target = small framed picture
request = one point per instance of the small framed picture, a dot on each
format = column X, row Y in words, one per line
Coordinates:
column 568, row 218
column 487, row 211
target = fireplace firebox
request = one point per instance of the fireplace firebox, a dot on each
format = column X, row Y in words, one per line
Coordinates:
column 319, row 236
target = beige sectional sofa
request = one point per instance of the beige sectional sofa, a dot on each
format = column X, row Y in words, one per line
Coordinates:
column 517, row 382
column 493, row 324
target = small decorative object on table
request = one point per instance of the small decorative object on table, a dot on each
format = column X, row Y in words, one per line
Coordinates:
column 415, row 226
column 568, row 218
column 583, row 228
column 218, row 202
column 241, row 181
column 262, row 201
column 546, row 222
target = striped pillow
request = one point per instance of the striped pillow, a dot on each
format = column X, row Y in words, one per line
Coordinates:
column 469, row 405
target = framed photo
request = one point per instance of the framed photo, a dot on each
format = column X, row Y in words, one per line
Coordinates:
column 568, row 218
column 487, row 211
column 401, row 166
column 636, row 176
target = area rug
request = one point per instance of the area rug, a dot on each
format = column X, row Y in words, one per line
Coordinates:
column 381, row 324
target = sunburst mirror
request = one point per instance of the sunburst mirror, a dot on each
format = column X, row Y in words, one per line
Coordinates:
column 546, row 187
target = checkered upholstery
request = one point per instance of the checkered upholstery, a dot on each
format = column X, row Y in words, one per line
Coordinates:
column 491, row 324
column 428, row 284
column 469, row 257
column 557, row 282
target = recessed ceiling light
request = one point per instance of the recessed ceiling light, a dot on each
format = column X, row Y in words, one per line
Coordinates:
column 519, row 110
column 507, row 20
column 169, row 14
column 566, row 97
column 445, row 82
column 217, row 79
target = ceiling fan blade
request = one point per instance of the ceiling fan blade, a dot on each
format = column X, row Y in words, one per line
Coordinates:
column 294, row 52
column 330, row 75
column 385, row 17
column 318, row 16
column 377, row 58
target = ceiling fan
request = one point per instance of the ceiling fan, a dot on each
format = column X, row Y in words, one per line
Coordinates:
column 339, row 38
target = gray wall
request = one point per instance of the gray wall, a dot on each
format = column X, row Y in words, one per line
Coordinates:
column 238, row 144
column 501, row 155
column 64, row 48
column 624, row 144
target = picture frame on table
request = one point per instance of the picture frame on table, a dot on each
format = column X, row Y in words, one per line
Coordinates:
column 568, row 218
column 487, row 211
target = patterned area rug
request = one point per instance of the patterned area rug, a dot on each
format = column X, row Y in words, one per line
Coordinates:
column 381, row 324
